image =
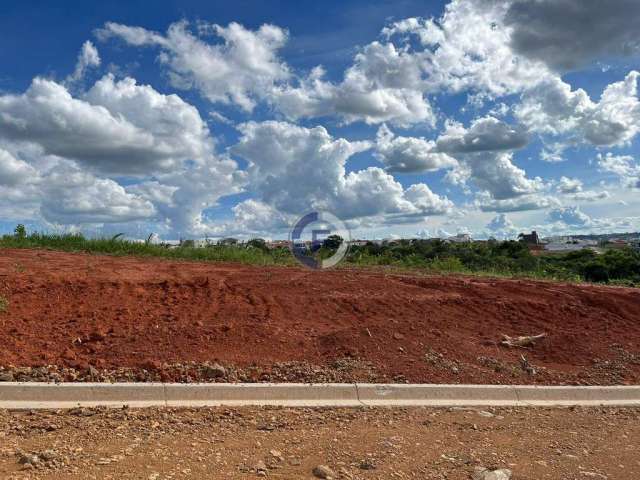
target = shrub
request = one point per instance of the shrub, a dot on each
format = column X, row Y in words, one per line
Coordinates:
column 447, row 264
column 258, row 243
column 596, row 272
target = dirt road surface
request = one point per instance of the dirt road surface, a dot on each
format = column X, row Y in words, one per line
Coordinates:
column 420, row 443
column 141, row 319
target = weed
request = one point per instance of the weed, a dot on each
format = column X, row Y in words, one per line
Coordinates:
column 4, row 304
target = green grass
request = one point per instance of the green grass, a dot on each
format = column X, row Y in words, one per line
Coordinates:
column 217, row 253
column 500, row 259
column 453, row 265
column 4, row 304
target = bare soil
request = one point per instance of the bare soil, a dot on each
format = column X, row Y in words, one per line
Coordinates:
column 419, row 443
column 158, row 319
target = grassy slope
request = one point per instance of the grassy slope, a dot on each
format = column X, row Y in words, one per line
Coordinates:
column 76, row 243
column 449, row 263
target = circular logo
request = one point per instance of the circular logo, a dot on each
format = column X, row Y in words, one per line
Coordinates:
column 319, row 240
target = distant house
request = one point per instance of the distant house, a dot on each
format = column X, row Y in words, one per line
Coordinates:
column 460, row 238
column 228, row 241
column 358, row 243
column 278, row 244
column 529, row 238
column 170, row 243
column 617, row 244
column 568, row 244
column 202, row 242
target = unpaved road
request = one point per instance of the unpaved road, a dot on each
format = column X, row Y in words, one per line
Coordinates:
column 417, row 443
column 77, row 310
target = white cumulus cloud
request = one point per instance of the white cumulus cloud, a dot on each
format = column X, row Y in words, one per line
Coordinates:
column 625, row 167
column 569, row 185
column 117, row 127
column 571, row 216
column 409, row 154
column 14, row 171
column 73, row 196
column 295, row 169
column 485, row 157
column 88, row 57
column 240, row 69
column 553, row 108
column 484, row 134
column 384, row 84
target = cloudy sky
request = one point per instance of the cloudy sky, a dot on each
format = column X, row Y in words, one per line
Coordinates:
column 193, row 119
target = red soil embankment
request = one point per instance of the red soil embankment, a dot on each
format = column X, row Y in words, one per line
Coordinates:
column 79, row 310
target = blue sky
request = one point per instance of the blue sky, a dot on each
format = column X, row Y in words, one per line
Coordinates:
column 196, row 119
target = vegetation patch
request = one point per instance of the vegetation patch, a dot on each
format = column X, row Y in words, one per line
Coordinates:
column 495, row 258
column 4, row 304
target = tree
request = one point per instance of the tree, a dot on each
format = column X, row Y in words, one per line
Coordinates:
column 258, row 243
column 20, row 231
column 332, row 242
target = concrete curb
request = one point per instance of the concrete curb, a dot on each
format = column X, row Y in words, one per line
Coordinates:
column 36, row 395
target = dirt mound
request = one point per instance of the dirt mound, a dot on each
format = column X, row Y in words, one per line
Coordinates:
column 77, row 310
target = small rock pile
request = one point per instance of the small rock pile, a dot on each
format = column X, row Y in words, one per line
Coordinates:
column 345, row 370
column 42, row 459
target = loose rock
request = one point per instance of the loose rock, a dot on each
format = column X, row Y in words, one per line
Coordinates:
column 322, row 471
column 481, row 473
column 48, row 455
column 215, row 371
column 28, row 459
column 367, row 464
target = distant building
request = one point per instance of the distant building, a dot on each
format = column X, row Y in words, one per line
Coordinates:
column 358, row 243
column 228, row 241
column 568, row 244
column 460, row 238
column 278, row 244
column 529, row 238
column 617, row 244
column 170, row 243
column 202, row 242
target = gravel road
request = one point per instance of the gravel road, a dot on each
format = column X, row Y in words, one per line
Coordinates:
column 416, row 443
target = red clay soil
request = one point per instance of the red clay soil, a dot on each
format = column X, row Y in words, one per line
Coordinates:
column 79, row 310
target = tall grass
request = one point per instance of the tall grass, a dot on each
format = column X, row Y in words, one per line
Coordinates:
column 509, row 259
column 453, row 265
column 114, row 246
